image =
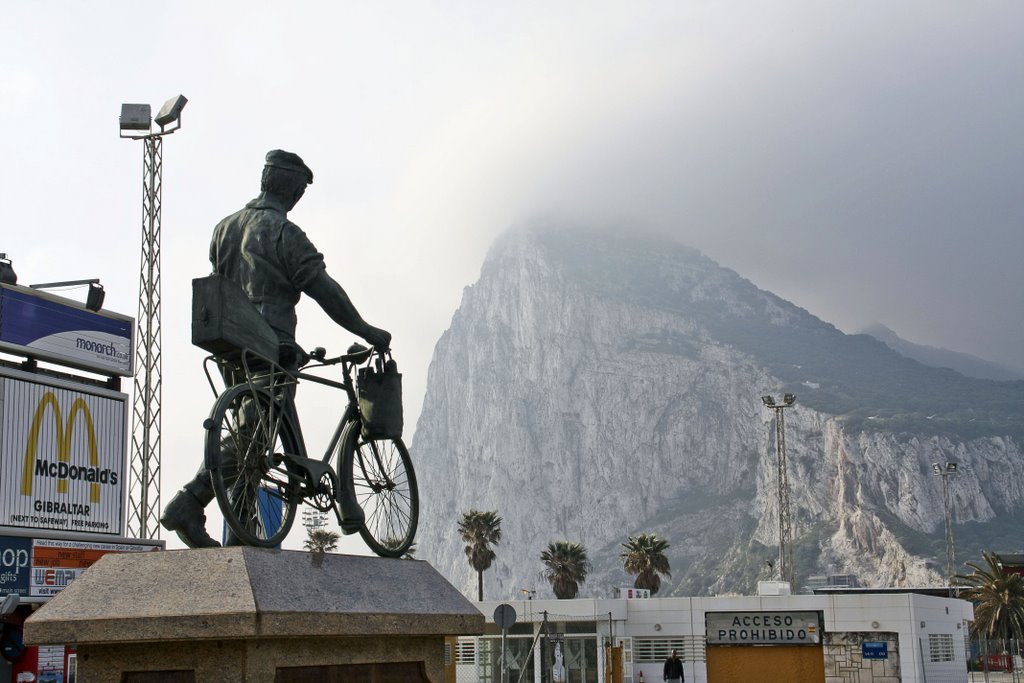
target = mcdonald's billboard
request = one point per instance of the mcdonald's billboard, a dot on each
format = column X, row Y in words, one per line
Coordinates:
column 62, row 455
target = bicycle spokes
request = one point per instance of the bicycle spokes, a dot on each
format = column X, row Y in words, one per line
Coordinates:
column 249, row 467
column 383, row 491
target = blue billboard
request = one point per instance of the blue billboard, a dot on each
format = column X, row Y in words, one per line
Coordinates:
column 270, row 508
column 63, row 331
column 15, row 565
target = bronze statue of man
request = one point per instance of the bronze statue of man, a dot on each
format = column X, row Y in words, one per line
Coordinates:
column 274, row 263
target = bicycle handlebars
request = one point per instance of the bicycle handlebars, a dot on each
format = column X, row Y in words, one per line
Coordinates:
column 356, row 354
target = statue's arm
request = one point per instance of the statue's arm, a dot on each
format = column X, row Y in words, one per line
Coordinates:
column 310, row 276
column 336, row 303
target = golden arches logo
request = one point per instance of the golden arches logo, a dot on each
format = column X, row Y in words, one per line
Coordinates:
column 63, row 433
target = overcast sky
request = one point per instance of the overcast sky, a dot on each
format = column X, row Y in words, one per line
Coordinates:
column 863, row 160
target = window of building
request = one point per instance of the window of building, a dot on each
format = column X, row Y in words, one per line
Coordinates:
column 940, row 647
column 587, row 627
column 650, row 650
column 465, row 651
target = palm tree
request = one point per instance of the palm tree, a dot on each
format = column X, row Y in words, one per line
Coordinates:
column 321, row 540
column 645, row 557
column 998, row 599
column 480, row 530
column 567, row 567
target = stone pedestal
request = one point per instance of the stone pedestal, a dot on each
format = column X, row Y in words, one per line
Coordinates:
column 249, row 614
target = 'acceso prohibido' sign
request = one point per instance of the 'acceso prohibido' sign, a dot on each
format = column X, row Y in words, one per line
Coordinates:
column 763, row 628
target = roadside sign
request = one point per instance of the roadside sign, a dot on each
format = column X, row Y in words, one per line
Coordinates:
column 505, row 616
column 874, row 650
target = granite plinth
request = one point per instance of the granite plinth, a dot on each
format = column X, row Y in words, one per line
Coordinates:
column 258, row 608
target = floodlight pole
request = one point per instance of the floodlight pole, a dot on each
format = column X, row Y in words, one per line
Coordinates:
column 786, row 568
column 144, row 468
column 144, row 479
column 944, row 470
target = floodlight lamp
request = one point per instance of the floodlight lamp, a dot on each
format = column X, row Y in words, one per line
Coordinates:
column 135, row 117
column 768, row 401
column 7, row 274
column 936, row 468
column 94, row 299
column 789, row 399
column 951, row 467
column 171, row 111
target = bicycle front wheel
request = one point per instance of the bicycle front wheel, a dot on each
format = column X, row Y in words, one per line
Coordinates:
column 380, row 474
column 247, row 436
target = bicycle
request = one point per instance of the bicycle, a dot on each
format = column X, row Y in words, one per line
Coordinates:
column 260, row 472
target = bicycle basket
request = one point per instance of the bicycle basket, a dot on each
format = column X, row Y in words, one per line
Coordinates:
column 380, row 400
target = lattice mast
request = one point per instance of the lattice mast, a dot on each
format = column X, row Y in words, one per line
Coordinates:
column 787, row 570
column 950, row 546
column 144, row 471
column 144, row 460
column 785, row 521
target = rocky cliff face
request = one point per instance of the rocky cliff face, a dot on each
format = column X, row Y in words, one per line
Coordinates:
column 592, row 387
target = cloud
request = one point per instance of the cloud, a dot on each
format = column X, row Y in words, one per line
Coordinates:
column 863, row 160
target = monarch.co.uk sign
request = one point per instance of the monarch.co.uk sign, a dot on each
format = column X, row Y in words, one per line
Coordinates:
column 55, row 329
column 62, row 456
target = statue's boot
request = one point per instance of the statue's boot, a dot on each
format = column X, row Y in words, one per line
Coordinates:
column 184, row 516
column 352, row 517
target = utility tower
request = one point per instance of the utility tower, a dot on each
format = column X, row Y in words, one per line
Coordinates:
column 944, row 470
column 786, row 569
column 144, row 465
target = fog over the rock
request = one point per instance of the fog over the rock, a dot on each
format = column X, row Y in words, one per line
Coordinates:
column 862, row 160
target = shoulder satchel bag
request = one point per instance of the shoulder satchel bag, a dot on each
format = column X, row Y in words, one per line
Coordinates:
column 224, row 321
column 380, row 400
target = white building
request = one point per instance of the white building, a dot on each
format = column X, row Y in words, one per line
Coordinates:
column 862, row 636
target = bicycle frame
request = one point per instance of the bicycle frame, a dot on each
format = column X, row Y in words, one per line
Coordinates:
column 367, row 475
column 260, row 372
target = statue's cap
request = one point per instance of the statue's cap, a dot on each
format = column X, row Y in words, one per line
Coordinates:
column 278, row 158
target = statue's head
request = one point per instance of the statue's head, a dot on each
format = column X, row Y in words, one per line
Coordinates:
column 286, row 176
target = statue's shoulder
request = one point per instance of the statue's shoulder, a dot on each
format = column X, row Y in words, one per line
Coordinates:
column 265, row 204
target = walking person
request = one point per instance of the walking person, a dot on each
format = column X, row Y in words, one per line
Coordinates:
column 673, row 669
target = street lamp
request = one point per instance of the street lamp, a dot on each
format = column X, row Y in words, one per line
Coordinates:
column 786, row 569
column 94, row 298
column 144, row 472
column 7, row 274
column 944, row 470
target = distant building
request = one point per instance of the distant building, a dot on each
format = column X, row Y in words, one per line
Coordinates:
column 1013, row 563
column 878, row 636
column 831, row 581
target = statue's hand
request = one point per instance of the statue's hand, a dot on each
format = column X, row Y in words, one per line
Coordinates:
column 378, row 338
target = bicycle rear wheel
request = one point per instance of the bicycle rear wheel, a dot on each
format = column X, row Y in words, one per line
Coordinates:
column 381, row 475
column 247, row 436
